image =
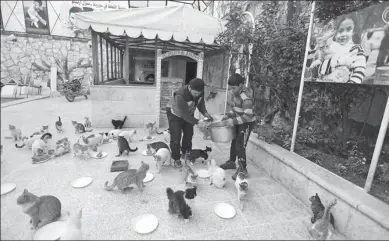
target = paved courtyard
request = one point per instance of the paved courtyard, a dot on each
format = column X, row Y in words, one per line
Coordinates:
column 271, row 212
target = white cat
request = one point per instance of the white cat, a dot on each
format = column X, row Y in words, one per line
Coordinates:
column 242, row 186
column 161, row 156
column 39, row 146
column 129, row 135
column 115, row 133
column 72, row 229
column 217, row 176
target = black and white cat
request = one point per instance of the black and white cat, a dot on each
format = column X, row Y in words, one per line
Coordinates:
column 178, row 205
column 155, row 146
column 198, row 153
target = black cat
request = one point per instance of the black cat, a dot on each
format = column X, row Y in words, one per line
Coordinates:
column 118, row 124
column 177, row 204
column 197, row 153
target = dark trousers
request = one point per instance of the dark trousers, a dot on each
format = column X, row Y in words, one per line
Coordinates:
column 238, row 145
column 178, row 127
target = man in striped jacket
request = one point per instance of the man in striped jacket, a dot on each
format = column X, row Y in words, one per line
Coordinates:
column 242, row 118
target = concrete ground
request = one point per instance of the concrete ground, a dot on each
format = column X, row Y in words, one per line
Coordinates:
column 271, row 212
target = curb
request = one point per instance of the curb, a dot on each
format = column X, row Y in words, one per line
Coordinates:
column 24, row 100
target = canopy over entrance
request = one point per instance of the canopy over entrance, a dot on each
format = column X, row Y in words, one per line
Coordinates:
column 173, row 27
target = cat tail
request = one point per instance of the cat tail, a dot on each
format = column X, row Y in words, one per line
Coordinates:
column 133, row 150
column 327, row 212
column 125, row 118
column 16, row 145
column 169, row 193
column 158, row 133
column 109, row 188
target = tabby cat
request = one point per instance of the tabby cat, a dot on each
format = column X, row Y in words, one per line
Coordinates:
column 124, row 146
column 58, row 125
column 318, row 208
column 322, row 229
column 152, row 128
column 78, row 148
column 132, row 176
column 88, row 123
column 79, row 127
column 197, row 153
column 118, row 124
column 155, row 146
column 15, row 133
column 190, row 177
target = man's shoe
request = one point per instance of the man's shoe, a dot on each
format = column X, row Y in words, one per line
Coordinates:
column 228, row 165
column 177, row 163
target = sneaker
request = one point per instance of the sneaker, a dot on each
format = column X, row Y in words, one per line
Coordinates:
column 177, row 163
column 228, row 165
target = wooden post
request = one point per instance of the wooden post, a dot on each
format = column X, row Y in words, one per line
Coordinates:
column 101, row 59
column 126, row 63
column 95, row 58
column 300, row 95
column 378, row 147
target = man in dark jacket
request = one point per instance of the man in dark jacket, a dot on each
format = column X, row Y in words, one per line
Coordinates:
column 180, row 112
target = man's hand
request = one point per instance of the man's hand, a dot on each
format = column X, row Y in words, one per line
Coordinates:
column 228, row 122
column 225, row 118
column 210, row 118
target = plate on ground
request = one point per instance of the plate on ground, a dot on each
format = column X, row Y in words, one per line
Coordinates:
column 144, row 224
column 104, row 154
column 224, row 210
column 7, row 187
column 82, row 182
column 203, row 173
column 144, row 153
column 149, row 139
column 107, row 141
column 51, row 231
column 149, row 177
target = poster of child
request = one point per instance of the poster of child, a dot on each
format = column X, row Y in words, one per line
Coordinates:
column 36, row 17
column 351, row 48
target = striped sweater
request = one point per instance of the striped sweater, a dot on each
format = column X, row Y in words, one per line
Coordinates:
column 356, row 64
column 242, row 108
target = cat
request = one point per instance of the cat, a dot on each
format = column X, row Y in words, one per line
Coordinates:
column 93, row 140
column 166, row 134
column 15, row 133
column 322, row 229
column 318, row 208
column 78, row 148
column 58, row 125
column 152, row 128
column 217, row 175
column 88, row 123
column 191, row 193
column 242, row 186
column 39, row 146
column 42, row 210
column 118, row 124
column 161, row 156
column 72, row 230
column 190, row 177
column 197, row 153
column 63, row 147
column 79, row 128
column 203, row 128
column 178, row 205
column 129, row 135
column 43, row 130
column 155, row 146
column 132, row 176
column 124, row 146
column 114, row 133
column 28, row 141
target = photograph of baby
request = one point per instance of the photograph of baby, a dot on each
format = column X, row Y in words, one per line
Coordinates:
column 353, row 48
column 36, row 17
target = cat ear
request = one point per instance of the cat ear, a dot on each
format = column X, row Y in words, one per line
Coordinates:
column 317, row 195
column 25, row 191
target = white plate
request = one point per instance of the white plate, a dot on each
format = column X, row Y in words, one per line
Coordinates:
column 144, row 224
column 82, row 182
column 51, row 231
column 7, row 187
column 224, row 210
column 144, row 153
column 152, row 139
column 109, row 141
column 149, row 177
column 104, row 154
column 203, row 173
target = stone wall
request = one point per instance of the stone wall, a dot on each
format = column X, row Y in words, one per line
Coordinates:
column 18, row 56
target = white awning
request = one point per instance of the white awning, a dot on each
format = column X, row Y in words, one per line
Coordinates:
column 172, row 22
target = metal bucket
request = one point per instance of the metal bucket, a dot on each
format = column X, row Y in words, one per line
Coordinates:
column 221, row 133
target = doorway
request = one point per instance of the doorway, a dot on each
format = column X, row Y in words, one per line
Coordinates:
column 191, row 71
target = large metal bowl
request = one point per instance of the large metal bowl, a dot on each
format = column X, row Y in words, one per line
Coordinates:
column 221, row 133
